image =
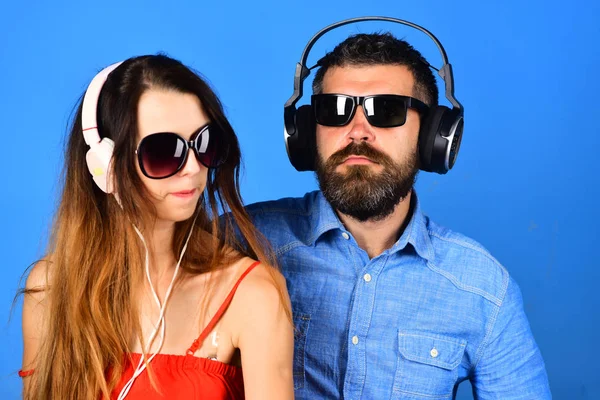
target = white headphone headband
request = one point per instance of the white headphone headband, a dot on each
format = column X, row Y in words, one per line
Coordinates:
column 89, row 122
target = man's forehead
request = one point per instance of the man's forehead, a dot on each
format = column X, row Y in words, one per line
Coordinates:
column 369, row 79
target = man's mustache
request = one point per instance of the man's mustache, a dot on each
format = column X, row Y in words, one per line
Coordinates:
column 354, row 149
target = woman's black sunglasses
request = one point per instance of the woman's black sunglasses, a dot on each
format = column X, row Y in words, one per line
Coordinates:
column 161, row 155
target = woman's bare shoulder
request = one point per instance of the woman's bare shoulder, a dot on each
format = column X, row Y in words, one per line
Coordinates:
column 262, row 325
column 262, row 278
column 38, row 278
column 262, row 293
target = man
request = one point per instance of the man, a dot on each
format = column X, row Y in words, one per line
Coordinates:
column 386, row 303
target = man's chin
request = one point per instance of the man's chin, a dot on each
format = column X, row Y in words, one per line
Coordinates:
column 358, row 173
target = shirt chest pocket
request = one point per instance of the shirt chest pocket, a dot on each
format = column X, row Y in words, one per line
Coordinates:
column 427, row 365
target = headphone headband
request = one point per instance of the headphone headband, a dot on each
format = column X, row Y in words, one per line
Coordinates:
column 89, row 122
column 302, row 71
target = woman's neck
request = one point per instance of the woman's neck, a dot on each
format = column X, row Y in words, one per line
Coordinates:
column 159, row 240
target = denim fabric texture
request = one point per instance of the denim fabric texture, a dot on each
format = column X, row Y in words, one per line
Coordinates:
column 433, row 310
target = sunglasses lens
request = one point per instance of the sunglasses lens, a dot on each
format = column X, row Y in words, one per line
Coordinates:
column 161, row 154
column 210, row 146
column 332, row 110
column 385, row 111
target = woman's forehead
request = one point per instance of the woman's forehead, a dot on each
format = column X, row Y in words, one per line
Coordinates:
column 162, row 110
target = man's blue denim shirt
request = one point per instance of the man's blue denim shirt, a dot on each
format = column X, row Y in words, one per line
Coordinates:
column 412, row 323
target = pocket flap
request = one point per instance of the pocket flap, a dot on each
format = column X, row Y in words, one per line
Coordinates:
column 430, row 348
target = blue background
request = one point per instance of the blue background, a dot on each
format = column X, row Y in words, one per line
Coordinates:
column 524, row 185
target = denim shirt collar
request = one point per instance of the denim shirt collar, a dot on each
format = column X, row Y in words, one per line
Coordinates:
column 324, row 219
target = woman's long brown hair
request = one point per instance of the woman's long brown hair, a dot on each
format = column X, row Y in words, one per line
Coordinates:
column 94, row 256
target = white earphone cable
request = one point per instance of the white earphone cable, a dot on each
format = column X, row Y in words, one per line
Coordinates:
column 161, row 319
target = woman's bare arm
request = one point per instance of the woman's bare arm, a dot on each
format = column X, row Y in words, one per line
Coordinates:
column 34, row 306
column 266, row 338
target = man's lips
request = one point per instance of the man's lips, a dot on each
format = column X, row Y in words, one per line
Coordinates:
column 358, row 160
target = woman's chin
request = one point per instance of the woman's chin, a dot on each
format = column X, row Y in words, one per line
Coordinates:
column 178, row 214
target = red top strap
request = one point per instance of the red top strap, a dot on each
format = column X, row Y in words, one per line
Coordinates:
column 213, row 322
column 23, row 374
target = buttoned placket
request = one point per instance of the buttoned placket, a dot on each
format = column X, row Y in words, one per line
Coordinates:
column 363, row 305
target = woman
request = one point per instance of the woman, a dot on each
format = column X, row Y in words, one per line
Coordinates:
column 141, row 294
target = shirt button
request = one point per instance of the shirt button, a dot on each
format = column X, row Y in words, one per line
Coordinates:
column 354, row 339
column 367, row 277
column 345, row 235
column 434, row 353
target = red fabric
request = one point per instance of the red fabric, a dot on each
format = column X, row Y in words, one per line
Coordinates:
column 183, row 377
column 23, row 374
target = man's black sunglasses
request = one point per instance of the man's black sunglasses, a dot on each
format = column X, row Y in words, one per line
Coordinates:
column 381, row 110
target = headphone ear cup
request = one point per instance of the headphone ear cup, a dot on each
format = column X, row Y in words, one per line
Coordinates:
column 301, row 145
column 430, row 129
column 452, row 130
column 98, row 160
column 439, row 139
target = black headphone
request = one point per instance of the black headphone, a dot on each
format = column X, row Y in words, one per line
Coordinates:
column 441, row 129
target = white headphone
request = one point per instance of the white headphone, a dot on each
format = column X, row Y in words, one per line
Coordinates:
column 98, row 160
column 100, row 153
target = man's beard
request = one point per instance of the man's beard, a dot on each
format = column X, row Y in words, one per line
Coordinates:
column 361, row 193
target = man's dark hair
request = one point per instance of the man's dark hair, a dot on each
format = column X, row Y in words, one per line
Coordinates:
column 377, row 49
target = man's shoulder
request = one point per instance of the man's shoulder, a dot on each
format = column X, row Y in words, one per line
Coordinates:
column 467, row 263
column 287, row 207
column 286, row 220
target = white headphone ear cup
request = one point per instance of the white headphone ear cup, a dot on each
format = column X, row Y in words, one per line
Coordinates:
column 98, row 160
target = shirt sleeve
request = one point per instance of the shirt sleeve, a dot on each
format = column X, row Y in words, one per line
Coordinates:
column 511, row 365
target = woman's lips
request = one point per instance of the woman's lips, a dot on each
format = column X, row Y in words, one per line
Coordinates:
column 184, row 193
